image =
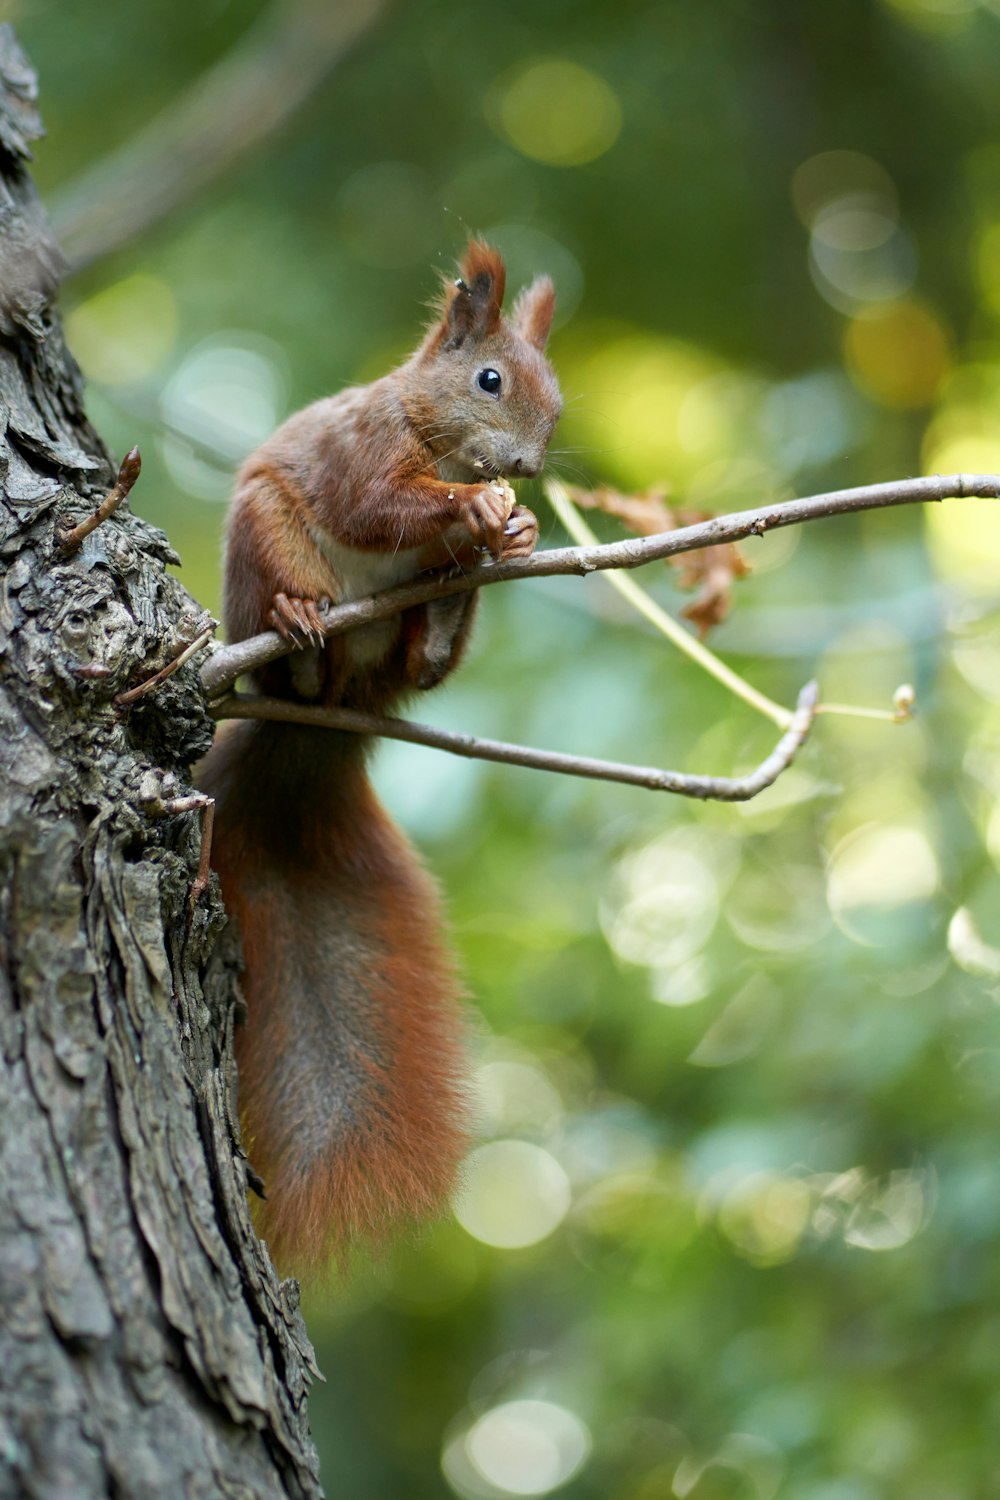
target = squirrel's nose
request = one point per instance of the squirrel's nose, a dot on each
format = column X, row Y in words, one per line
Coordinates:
column 524, row 466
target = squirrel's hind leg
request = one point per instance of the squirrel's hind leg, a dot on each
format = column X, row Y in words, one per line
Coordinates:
column 439, row 633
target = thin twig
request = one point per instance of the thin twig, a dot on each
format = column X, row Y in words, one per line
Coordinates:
column 165, row 807
column 123, row 699
column 714, row 788
column 230, row 662
column 677, row 634
column 70, row 537
column 200, row 883
column 224, row 115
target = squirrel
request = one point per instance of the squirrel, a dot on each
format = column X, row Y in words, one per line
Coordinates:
column 351, row 1062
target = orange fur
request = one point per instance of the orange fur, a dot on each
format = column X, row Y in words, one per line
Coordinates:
column 399, row 1145
column 534, row 311
column 351, row 1062
column 476, row 294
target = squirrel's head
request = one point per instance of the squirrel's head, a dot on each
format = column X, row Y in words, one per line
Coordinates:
column 486, row 397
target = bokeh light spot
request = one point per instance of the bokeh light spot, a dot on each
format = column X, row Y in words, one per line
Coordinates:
column 125, row 332
column 514, row 1095
column 851, row 276
column 964, row 535
column 858, row 254
column 969, row 949
column 528, row 1447
column 935, row 16
column 634, row 1222
column 890, row 1213
column 522, row 1447
column 765, row 1215
column 741, row 1027
column 987, row 254
column 809, row 421
column 637, row 384
column 682, row 984
column 847, row 177
column 557, row 112
column 876, row 869
column 847, row 224
column 898, row 354
column 513, row 1194
column 663, row 905
column 224, row 399
column 759, row 1464
column 781, row 911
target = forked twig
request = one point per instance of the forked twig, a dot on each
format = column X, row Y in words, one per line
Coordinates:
column 707, row 788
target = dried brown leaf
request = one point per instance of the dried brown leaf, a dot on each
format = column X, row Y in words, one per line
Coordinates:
column 646, row 515
column 710, row 570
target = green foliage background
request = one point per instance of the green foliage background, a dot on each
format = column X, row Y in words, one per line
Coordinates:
column 756, row 1051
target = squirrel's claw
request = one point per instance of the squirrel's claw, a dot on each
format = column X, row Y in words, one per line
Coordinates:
column 520, row 535
column 298, row 620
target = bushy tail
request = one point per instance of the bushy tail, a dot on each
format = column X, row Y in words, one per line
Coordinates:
column 351, row 1060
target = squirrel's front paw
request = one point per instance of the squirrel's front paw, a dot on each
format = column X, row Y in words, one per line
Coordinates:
column 487, row 513
column 520, row 535
column 298, row 620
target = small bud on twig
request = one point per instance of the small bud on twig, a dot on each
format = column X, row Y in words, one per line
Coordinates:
column 128, row 472
column 904, row 700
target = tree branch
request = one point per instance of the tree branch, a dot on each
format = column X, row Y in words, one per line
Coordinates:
column 223, row 116
column 706, row 788
column 231, row 662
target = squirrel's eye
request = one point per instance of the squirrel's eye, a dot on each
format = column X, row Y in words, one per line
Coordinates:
column 489, row 381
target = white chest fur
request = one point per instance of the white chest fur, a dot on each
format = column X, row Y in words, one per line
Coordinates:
column 358, row 574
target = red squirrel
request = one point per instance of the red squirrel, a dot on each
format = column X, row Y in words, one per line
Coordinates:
column 351, row 1061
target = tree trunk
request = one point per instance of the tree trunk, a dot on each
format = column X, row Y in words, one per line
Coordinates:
column 147, row 1345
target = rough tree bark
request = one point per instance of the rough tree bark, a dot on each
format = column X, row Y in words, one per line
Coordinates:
column 146, row 1344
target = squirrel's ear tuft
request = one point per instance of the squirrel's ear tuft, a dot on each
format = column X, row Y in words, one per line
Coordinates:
column 533, row 311
column 473, row 302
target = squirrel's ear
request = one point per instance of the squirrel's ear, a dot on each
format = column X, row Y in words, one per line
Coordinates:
column 473, row 302
column 533, row 311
